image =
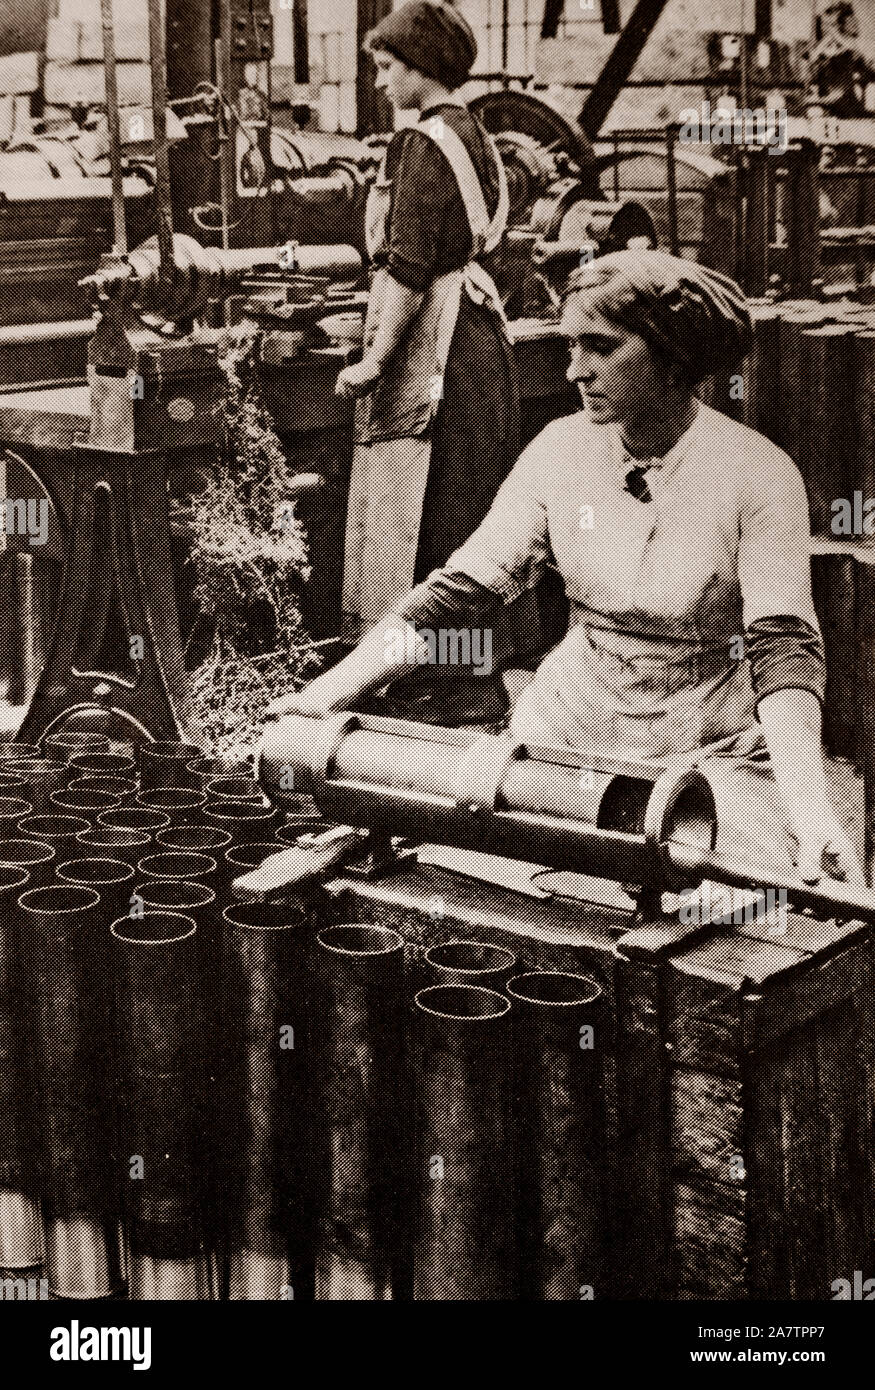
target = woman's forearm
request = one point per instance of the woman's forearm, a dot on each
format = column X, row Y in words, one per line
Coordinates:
column 399, row 306
column 388, row 651
column 791, row 723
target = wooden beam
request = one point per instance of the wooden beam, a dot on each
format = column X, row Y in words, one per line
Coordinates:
column 616, row 71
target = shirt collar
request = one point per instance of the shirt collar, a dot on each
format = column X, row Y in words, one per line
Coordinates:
column 428, row 111
column 670, row 462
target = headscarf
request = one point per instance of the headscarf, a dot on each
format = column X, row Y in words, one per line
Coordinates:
column 697, row 315
column 428, row 35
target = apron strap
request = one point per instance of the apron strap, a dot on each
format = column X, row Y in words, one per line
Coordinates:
column 485, row 232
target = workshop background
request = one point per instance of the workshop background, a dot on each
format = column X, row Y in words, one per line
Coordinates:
column 400, row 1015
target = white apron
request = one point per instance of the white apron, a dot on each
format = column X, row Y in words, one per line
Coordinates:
column 394, row 423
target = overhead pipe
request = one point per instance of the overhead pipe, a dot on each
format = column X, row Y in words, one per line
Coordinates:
column 362, row 1096
column 262, row 1150
column 20, row 1227
column 559, row 1048
column 464, row 1245
column 160, row 1041
column 69, row 1019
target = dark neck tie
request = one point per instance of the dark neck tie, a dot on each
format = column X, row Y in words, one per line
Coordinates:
column 636, row 483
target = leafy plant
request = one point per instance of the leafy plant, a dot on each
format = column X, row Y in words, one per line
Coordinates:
column 249, row 554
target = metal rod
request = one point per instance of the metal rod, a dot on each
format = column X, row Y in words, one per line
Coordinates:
column 120, row 231
column 225, row 154
column 828, row 896
column 158, row 69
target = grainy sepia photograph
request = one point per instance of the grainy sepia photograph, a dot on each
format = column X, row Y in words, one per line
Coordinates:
column 437, row 661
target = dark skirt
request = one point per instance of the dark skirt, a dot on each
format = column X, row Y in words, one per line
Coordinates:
column 475, row 443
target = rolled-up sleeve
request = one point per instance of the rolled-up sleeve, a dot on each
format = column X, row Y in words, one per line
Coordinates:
column 774, row 544
column 421, row 194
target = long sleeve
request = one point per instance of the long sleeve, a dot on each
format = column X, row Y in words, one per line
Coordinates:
column 510, row 549
column 774, row 546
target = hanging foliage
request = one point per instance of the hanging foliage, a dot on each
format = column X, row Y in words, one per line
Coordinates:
column 249, row 554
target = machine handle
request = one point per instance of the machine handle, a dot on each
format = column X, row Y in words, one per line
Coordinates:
column 828, row 897
column 292, row 868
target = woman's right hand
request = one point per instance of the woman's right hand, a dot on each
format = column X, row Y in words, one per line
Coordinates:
column 316, row 700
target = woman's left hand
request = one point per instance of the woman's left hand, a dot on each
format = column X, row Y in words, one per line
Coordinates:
column 823, row 847
column 358, row 379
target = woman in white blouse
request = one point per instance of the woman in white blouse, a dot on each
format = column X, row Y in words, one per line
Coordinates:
column 683, row 540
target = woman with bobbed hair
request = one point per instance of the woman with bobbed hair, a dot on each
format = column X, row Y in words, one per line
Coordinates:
column 682, row 537
column 437, row 422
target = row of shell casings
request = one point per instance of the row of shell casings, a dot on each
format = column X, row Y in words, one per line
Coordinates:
column 80, row 849
column 96, row 784
column 459, row 1143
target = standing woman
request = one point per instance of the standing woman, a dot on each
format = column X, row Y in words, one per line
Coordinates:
column 437, row 422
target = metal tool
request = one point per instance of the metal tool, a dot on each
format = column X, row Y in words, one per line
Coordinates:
column 642, row 824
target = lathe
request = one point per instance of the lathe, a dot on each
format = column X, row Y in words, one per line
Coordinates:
column 155, row 399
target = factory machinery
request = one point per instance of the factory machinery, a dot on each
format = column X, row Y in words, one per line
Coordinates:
column 357, row 1044
column 334, row 1064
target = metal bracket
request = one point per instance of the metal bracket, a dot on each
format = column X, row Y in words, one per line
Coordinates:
column 481, row 771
